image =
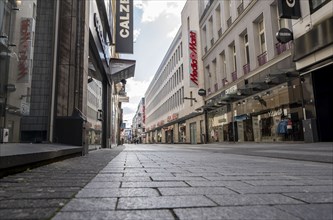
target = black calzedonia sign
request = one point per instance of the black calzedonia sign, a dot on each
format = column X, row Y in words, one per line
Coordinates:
column 289, row 9
column 124, row 26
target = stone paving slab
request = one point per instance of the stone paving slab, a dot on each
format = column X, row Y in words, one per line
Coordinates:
column 234, row 213
column 114, row 193
column 195, row 191
column 164, row 202
column 250, row 199
column 310, row 211
column 116, row 215
column 172, row 182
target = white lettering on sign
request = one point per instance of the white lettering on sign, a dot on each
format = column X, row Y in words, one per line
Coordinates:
column 124, row 20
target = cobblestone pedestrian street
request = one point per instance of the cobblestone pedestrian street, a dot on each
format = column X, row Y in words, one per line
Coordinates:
column 170, row 182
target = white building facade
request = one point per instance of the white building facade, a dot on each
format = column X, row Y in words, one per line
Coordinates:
column 172, row 102
column 253, row 88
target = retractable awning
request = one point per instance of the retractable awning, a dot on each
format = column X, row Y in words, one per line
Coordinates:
column 121, row 69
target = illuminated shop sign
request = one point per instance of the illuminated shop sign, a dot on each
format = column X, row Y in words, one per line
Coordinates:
column 102, row 41
column 124, row 26
column 193, row 60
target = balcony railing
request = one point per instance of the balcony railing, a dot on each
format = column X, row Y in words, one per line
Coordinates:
column 234, row 76
column 216, row 87
column 220, row 32
column 280, row 48
column 240, row 8
column 229, row 22
column 262, row 58
column 246, row 68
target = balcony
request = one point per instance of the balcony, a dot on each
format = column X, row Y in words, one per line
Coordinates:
column 280, row 48
column 216, row 87
column 234, row 76
column 220, row 32
column 246, row 68
column 262, row 58
column 240, row 8
column 229, row 22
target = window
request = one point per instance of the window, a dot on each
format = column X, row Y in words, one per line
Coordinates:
column 247, row 52
column 262, row 36
column 316, row 4
column 234, row 58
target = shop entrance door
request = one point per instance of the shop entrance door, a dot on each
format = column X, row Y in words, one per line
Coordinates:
column 322, row 86
column 193, row 133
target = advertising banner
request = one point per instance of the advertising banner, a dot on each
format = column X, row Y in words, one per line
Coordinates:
column 124, row 26
column 194, row 81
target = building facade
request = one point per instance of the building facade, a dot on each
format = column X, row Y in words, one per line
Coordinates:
column 138, row 123
column 313, row 43
column 45, row 96
column 172, row 102
column 253, row 88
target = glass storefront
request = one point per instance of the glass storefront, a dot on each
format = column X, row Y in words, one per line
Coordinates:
column 271, row 115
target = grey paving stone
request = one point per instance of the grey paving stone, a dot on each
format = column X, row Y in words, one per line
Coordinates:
column 36, row 213
column 116, row 215
column 91, row 204
column 163, row 202
column 102, row 185
column 152, row 184
column 246, row 177
column 312, row 197
column 113, row 192
column 201, row 174
column 273, row 183
column 310, row 211
column 195, row 191
column 234, row 213
column 177, row 178
column 31, row 203
column 147, row 174
column 281, row 189
column 250, row 199
column 123, row 179
column 44, row 195
column 217, row 183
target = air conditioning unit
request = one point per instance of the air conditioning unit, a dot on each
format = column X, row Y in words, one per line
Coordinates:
column 4, row 135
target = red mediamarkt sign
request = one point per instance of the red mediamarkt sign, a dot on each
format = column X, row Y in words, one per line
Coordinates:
column 193, row 59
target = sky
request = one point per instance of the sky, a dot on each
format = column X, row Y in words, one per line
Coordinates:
column 156, row 22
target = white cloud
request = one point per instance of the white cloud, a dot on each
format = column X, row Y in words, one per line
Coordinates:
column 136, row 34
column 152, row 9
column 135, row 90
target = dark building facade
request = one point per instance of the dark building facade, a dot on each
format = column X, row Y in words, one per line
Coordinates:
column 73, row 43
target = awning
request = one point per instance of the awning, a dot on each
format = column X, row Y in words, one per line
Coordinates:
column 121, row 69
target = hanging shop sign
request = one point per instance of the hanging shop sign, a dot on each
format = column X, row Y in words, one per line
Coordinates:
column 194, row 81
column 124, row 26
column 289, row 9
column 284, row 35
column 202, row 92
